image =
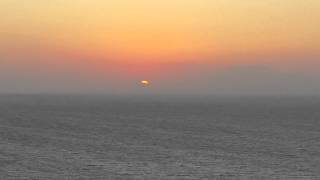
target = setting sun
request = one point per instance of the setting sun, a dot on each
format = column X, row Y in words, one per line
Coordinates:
column 144, row 82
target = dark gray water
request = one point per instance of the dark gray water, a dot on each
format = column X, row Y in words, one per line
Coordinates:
column 100, row 138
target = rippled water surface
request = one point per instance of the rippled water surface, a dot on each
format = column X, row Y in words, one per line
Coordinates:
column 99, row 138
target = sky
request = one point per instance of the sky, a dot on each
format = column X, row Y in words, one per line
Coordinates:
column 228, row 47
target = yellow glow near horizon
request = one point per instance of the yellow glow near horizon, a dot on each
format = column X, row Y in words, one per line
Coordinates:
column 144, row 82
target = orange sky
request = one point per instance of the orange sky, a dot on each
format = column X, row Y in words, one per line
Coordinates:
column 154, row 38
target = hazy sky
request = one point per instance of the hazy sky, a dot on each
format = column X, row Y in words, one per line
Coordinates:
column 181, row 46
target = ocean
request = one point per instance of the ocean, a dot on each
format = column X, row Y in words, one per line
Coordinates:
column 78, row 137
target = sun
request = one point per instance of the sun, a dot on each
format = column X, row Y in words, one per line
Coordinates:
column 144, row 83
